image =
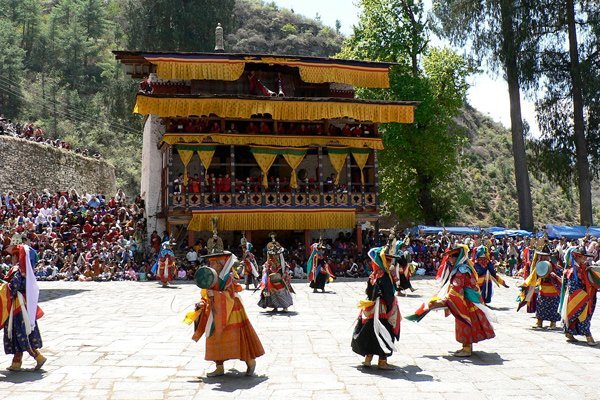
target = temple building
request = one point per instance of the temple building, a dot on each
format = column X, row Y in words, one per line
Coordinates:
column 262, row 142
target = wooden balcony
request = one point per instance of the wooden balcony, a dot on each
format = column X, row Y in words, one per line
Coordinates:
column 361, row 200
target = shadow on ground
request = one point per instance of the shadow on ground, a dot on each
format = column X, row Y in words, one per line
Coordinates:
column 24, row 376
column 279, row 313
column 478, row 358
column 53, row 294
column 232, row 381
column 409, row 373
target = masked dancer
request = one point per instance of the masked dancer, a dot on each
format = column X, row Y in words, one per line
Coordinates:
column 319, row 272
column 460, row 296
column 250, row 267
column 378, row 324
column 19, row 309
column 276, row 283
column 220, row 315
column 578, row 295
column 486, row 273
column 165, row 268
column 542, row 286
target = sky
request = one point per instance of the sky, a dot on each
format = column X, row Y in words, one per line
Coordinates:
column 488, row 92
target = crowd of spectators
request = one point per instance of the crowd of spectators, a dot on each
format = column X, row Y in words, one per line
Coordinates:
column 93, row 237
column 34, row 133
column 262, row 125
column 77, row 237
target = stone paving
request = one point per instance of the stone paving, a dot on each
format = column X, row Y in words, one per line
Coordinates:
column 125, row 340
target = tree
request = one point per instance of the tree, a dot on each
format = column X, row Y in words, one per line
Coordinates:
column 269, row 30
column 568, row 113
column 176, row 25
column 497, row 31
column 11, row 69
column 419, row 159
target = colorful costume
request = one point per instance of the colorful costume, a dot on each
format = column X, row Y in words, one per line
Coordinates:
column 460, row 294
column 577, row 297
column 250, row 269
column 378, row 324
column 543, row 291
column 403, row 268
column 276, row 283
column 221, row 315
column 486, row 273
column 319, row 272
column 21, row 332
column 165, row 267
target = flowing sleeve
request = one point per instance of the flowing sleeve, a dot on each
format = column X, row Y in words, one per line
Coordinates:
column 16, row 284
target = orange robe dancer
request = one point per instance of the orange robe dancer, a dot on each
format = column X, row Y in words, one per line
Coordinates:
column 220, row 315
column 167, row 269
column 461, row 297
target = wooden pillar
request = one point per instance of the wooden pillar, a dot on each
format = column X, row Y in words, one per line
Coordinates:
column 190, row 238
column 232, row 172
column 320, row 177
column 202, row 184
column 307, row 240
column 376, row 177
column 170, row 171
column 348, row 180
column 359, row 241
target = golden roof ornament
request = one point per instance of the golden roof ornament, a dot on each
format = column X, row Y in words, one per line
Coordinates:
column 219, row 41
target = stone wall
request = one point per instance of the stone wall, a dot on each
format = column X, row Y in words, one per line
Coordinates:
column 25, row 164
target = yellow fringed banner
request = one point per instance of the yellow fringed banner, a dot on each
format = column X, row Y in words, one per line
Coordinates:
column 294, row 160
column 274, row 219
column 280, row 140
column 355, row 76
column 264, row 161
column 231, row 70
column 206, row 156
column 186, row 156
column 361, row 159
column 337, row 157
column 204, row 70
column 278, row 107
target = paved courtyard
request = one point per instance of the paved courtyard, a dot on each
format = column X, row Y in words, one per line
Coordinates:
column 125, row 340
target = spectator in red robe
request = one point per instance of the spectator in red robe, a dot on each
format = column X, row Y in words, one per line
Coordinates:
column 226, row 184
column 195, row 184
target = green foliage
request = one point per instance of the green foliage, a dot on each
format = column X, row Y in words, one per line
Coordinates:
column 175, row 25
column 419, row 159
column 289, row 29
column 11, row 65
column 264, row 28
column 553, row 153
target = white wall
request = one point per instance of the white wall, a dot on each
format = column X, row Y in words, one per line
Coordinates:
column 151, row 173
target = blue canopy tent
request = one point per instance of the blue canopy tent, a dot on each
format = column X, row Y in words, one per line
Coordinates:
column 456, row 230
column 511, row 233
column 594, row 231
column 567, row 232
column 494, row 229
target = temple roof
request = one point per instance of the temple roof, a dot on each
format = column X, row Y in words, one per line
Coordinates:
column 230, row 66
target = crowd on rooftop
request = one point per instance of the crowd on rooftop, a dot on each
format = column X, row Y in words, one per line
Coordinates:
column 35, row 133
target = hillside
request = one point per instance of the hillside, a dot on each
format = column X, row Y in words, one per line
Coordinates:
column 487, row 174
column 261, row 27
